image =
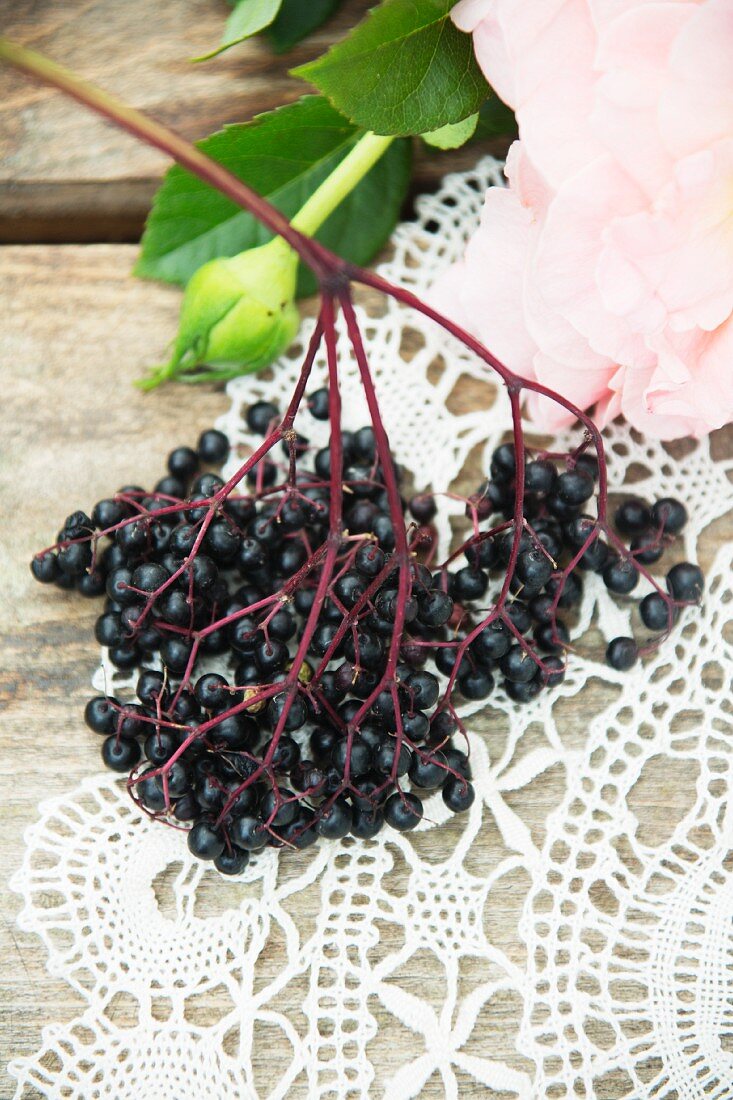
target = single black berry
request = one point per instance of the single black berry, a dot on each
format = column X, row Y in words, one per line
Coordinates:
column 622, row 653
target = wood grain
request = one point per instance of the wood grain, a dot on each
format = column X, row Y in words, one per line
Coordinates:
column 76, row 331
column 65, row 175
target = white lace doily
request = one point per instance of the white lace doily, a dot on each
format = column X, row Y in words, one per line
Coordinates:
column 571, row 935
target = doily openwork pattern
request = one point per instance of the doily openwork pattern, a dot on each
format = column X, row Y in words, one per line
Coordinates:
column 570, row 936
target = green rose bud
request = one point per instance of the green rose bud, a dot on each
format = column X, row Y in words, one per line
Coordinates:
column 238, row 314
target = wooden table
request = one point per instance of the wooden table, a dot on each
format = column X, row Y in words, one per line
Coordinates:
column 76, row 331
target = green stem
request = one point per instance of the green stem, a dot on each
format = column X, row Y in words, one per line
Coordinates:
column 341, row 181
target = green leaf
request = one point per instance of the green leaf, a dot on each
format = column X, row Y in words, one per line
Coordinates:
column 284, row 155
column 453, row 134
column 495, row 119
column 297, row 19
column 248, row 18
column 405, row 69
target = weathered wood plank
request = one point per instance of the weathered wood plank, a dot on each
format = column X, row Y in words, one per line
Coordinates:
column 66, row 175
column 76, row 331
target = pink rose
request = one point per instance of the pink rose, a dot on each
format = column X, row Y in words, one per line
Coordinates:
column 605, row 270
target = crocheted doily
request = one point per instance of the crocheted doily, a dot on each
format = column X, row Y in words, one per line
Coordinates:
column 570, row 936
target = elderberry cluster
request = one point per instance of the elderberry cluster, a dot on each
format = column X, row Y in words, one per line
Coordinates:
column 300, row 652
column 560, row 543
column 260, row 752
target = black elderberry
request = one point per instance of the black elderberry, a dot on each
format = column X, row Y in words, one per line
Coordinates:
column 655, row 613
column 358, row 753
column 445, row 658
column 108, row 629
column 101, row 714
column 442, row 726
column 518, row 614
column 534, row 569
column 335, row 822
column 620, row 576
column 523, row 691
column 212, row 691
column 290, row 557
column 423, row 507
column 183, row 463
column 365, row 648
column 435, row 607
column 403, row 811
column 366, row 822
column 185, row 706
column 279, row 808
column 552, row 637
column 369, row 560
column 318, row 404
column 458, row 794
column 503, row 462
column 213, row 447
column 263, row 475
column 170, row 487
column 541, row 608
column 222, row 542
column 151, row 687
column 121, row 754
column 518, row 665
column 570, row 588
column 383, row 530
column 175, row 652
column 670, row 515
column 633, row 517
column 540, row 477
column 686, row 582
column 187, row 808
column 622, row 653
column 205, row 841
column 232, row 861
column 387, row 757
column 134, row 538
column 296, row 714
column 270, row 655
column 349, row 589
column 151, row 793
column 45, row 567
column 91, row 584
column 595, row 556
column 160, row 746
column 415, row 725
column 74, row 559
column 482, row 554
column 108, row 513
column 124, row 656
column 248, row 833
column 422, row 689
column 475, row 683
column 647, row 549
column 364, row 445
column 118, row 587
column 387, row 604
column 469, row 584
column 149, row 577
column 428, row 771
column 207, row 485
column 553, row 671
column 260, row 416
column 575, row 486
column 491, row 643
